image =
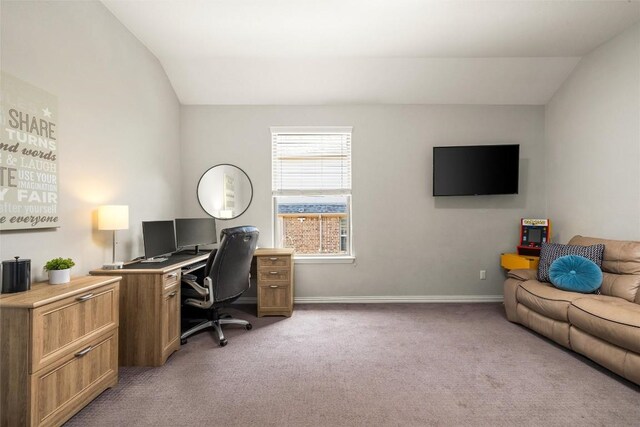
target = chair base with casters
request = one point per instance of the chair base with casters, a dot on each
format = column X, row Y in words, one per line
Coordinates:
column 216, row 321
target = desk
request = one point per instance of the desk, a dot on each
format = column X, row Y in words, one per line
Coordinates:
column 150, row 308
column 150, row 301
column 58, row 349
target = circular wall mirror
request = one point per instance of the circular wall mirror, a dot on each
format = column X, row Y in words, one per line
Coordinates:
column 225, row 191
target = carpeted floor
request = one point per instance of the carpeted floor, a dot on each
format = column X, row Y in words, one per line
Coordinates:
column 373, row 365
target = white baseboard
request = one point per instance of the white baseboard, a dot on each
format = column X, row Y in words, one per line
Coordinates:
column 388, row 299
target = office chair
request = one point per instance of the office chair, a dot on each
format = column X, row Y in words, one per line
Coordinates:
column 226, row 277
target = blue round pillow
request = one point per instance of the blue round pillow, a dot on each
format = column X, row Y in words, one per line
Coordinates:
column 576, row 274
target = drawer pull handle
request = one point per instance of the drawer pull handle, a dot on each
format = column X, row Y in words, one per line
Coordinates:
column 84, row 297
column 273, row 259
column 172, row 276
column 273, row 272
column 83, row 352
column 274, row 286
column 173, row 294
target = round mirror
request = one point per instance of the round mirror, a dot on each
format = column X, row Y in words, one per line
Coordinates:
column 225, row 191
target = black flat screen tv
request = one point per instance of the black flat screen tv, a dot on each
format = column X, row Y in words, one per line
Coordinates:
column 475, row 170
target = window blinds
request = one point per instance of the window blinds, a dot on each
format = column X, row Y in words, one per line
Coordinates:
column 311, row 162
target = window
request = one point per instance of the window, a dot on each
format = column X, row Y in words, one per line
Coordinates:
column 311, row 187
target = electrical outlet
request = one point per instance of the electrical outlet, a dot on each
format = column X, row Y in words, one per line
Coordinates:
column 483, row 274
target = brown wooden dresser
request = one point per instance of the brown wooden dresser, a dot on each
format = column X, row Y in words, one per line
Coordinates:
column 58, row 349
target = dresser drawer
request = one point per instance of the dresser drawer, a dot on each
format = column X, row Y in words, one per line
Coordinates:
column 274, row 261
column 67, row 325
column 273, row 275
column 171, row 278
column 74, row 380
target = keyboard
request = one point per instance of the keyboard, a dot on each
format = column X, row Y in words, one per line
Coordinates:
column 189, row 268
column 159, row 259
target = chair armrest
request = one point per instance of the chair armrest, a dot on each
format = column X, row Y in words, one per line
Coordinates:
column 190, row 280
column 523, row 275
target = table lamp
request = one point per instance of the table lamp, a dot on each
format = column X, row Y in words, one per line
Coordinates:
column 113, row 217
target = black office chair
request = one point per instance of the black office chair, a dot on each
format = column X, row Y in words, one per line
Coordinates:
column 226, row 278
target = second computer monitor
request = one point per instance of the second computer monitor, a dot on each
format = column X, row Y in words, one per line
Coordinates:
column 195, row 232
column 159, row 238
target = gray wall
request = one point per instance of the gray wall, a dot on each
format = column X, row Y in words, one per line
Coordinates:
column 593, row 144
column 407, row 243
column 120, row 142
column 118, row 127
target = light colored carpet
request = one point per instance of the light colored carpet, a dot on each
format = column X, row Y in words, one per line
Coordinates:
column 373, row 365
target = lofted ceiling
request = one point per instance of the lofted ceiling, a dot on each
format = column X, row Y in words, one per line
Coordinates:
column 301, row 52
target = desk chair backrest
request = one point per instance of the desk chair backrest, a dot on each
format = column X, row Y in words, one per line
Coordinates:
column 231, row 263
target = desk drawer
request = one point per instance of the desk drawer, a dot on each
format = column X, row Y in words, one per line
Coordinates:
column 171, row 278
column 274, row 297
column 66, row 326
column 74, row 380
column 273, row 274
column 274, row 261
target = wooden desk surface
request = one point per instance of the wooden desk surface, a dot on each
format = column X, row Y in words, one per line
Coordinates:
column 164, row 267
column 43, row 293
column 273, row 251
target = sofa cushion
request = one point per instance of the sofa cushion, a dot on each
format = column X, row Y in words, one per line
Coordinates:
column 544, row 299
column 576, row 274
column 621, row 285
column 552, row 251
column 620, row 264
column 619, row 257
column 609, row 318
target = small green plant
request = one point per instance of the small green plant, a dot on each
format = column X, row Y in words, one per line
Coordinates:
column 59, row 264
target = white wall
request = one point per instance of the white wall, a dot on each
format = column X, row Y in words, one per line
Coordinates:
column 406, row 241
column 118, row 127
column 593, row 144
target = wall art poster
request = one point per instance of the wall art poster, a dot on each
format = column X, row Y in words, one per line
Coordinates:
column 28, row 156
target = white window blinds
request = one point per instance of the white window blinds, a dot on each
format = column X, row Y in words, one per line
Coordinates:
column 311, row 160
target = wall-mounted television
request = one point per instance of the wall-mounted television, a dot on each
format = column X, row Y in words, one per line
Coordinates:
column 475, row 170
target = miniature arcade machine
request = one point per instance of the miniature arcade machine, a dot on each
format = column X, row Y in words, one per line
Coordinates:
column 533, row 233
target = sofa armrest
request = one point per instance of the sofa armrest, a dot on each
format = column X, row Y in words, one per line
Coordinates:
column 514, row 279
column 523, row 275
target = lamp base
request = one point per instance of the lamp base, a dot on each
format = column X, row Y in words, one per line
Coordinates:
column 113, row 266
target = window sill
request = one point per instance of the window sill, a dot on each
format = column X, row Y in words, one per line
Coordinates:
column 324, row 259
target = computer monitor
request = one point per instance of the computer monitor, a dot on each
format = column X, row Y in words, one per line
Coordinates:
column 195, row 232
column 159, row 238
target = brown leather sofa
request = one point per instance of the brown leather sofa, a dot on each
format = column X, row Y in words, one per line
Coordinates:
column 605, row 327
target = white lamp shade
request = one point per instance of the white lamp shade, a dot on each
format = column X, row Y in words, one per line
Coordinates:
column 113, row 217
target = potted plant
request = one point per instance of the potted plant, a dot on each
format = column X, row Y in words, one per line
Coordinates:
column 59, row 270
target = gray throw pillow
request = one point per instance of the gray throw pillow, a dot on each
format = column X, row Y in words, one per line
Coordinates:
column 549, row 252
